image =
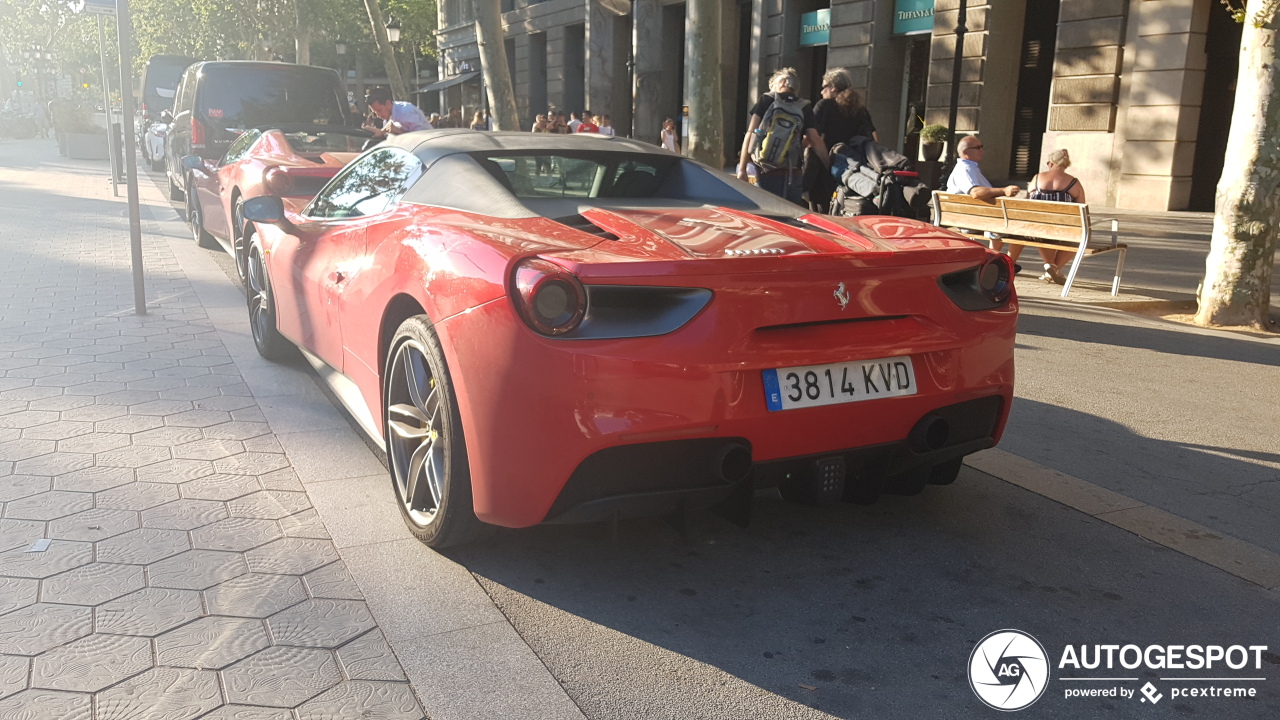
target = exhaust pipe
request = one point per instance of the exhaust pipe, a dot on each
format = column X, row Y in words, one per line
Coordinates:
column 732, row 464
column 931, row 433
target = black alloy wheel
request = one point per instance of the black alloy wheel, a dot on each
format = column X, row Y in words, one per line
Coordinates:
column 262, row 310
column 425, row 448
column 194, row 219
column 239, row 241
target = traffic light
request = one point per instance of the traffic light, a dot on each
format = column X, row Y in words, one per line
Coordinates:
column 19, row 83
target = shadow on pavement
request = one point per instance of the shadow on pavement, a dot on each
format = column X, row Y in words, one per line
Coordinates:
column 1175, row 341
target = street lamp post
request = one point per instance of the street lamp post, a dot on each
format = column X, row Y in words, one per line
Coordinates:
column 341, row 49
column 954, row 108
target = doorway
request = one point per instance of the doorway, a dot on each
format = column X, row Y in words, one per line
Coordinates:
column 1035, row 79
column 1222, row 66
column 913, row 98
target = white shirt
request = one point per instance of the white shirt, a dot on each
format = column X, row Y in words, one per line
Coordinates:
column 573, row 125
column 669, row 140
column 606, row 130
column 408, row 116
column 965, row 177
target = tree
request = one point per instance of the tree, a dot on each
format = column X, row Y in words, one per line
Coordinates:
column 706, row 102
column 1237, row 285
column 379, row 29
column 493, row 60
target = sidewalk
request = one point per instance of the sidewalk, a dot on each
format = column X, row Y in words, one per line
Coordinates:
column 185, row 529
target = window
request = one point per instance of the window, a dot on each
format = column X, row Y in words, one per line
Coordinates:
column 254, row 96
column 323, row 142
column 578, row 176
column 369, row 186
column 241, row 146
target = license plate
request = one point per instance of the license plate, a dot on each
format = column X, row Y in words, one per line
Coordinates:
column 813, row 385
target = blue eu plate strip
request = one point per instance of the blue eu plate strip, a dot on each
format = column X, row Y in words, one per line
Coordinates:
column 772, row 393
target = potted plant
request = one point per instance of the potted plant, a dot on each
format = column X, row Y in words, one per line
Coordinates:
column 932, row 138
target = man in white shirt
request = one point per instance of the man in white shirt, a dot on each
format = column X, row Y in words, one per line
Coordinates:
column 397, row 116
column 574, row 122
column 967, row 177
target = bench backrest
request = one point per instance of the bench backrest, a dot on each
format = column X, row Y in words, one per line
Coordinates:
column 1039, row 219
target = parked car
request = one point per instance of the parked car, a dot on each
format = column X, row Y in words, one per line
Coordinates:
column 152, row 147
column 159, row 85
column 628, row 332
column 292, row 162
column 216, row 101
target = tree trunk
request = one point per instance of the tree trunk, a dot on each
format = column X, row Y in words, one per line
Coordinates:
column 379, row 28
column 302, row 43
column 706, row 101
column 493, row 61
column 1237, row 282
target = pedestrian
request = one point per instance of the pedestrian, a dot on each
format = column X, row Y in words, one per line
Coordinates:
column 1055, row 185
column 780, row 122
column 540, row 124
column 397, row 116
column 840, row 116
column 588, row 124
column 478, row 122
column 670, row 140
column 560, row 126
column 606, row 126
column 435, row 120
column 967, row 179
column 574, row 121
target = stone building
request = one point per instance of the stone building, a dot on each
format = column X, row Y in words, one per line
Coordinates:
column 1120, row 83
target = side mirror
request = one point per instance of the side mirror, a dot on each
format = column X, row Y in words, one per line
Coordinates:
column 267, row 209
column 193, row 162
column 166, row 117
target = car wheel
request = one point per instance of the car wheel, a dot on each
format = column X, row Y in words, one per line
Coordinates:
column 175, row 192
column 262, row 310
column 202, row 238
column 239, row 246
column 157, row 164
column 426, row 453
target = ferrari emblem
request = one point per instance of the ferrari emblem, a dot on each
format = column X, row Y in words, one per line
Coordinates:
column 842, row 296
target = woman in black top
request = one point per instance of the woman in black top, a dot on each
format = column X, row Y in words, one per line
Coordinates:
column 838, row 117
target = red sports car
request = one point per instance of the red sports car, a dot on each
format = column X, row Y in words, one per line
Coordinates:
column 291, row 162
column 558, row 329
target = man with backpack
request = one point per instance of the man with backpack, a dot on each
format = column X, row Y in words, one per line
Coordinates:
column 780, row 123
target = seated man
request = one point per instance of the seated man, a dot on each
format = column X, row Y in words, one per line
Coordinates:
column 967, row 179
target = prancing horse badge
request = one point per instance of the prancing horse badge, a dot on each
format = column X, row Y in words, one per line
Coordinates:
column 842, row 296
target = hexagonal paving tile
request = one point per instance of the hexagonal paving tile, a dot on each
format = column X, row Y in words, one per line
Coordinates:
column 197, row 418
column 53, row 464
column 15, row 450
column 255, row 596
column 93, row 479
column 16, row 593
column 160, row 408
column 27, row 418
column 237, row 534
column 333, row 581
column 128, row 424
column 95, row 442
column 208, row 449
column 368, row 657
column 93, row 584
column 134, row 456
column 126, row 397
column 20, row 486
column 320, row 623
column 269, row 504
column 220, row 487
column 91, row 663
column 175, row 471
column 196, row 569
column 141, row 547
column 248, row 712
column 39, row 704
column 19, row 533
column 148, row 612
column 161, row 694
column 237, row 430
column 226, row 403
column 281, row 676
column 292, row 556
column 366, row 700
column 211, row 643
column 61, row 555
column 251, row 463
column 60, row 430
column 93, row 525
column 284, row 479
column 13, row 674
column 138, row 496
column 48, row 505
column 37, row 628
column 184, row 514
column 94, row 413
column 167, row 436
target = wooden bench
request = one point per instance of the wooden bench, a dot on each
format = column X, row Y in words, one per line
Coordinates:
column 1034, row 223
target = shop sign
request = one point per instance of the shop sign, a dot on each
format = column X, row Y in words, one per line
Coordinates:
column 911, row 17
column 815, row 27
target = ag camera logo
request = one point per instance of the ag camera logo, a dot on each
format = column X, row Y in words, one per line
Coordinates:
column 1008, row 670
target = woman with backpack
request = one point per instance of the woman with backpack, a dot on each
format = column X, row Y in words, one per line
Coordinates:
column 839, row 117
column 780, row 123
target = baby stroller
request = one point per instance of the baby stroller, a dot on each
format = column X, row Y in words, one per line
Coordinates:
column 874, row 180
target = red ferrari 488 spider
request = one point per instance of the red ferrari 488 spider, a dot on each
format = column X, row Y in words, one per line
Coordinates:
column 563, row 329
column 291, row 162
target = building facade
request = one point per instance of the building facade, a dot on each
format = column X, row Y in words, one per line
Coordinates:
column 1139, row 91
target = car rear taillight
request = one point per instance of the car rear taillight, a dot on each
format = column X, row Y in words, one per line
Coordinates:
column 551, row 299
column 197, row 134
column 995, row 278
column 278, row 181
column 297, row 181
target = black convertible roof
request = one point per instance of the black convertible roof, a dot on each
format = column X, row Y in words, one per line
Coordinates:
column 429, row 145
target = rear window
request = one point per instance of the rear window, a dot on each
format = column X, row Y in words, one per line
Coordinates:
column 256, row 96
column 578, row 175
column 322, row 142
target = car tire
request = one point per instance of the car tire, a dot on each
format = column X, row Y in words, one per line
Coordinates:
column 239, row 242
column 157, row 164
column 426, row 452
column 175, row 192
column 262, row 309
column 202, row 238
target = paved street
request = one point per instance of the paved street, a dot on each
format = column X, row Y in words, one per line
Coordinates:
column 223, row 544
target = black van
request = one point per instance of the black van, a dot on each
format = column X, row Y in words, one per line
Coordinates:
column 216, row 101
column 159, row 84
